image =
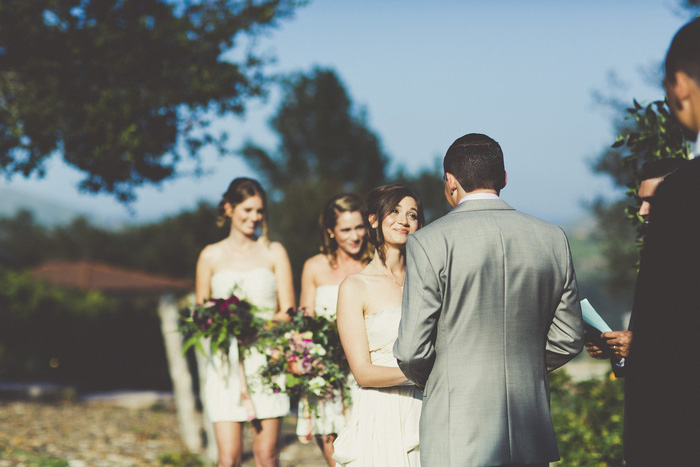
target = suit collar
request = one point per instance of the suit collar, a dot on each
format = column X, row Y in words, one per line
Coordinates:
column 482, row 205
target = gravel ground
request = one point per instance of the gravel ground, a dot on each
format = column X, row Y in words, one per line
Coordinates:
column 99, row 433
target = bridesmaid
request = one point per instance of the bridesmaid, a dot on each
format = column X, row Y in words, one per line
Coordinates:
column 383, row 428
column 258, row 270
column 344, row 251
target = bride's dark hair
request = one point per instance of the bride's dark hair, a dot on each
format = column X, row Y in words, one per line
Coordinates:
column 380, row 202
column 238, row 191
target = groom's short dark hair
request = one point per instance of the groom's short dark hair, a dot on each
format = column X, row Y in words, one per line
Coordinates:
column 684, row 53
column 476, row 161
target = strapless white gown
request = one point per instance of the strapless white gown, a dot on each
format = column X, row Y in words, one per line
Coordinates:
column 383, row 428
column 222, row 386
column 332, row 414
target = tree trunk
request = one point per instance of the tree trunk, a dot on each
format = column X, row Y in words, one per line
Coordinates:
column 187, row 414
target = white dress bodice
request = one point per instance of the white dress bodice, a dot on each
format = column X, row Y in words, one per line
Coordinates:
column 326, row 301
column 384, row 427
column 257, row 286
column 382, row 330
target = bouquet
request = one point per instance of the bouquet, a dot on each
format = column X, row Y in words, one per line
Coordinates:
column 220, row 320
column 307, row 351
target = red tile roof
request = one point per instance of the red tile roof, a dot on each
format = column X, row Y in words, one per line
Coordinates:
column 87, row 275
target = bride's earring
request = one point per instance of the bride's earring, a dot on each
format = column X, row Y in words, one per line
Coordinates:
column 332, row 236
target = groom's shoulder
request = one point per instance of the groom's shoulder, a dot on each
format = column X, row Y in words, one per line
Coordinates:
column 538, row 224
column 500, row 217
column 435, row 227
column 536, row 221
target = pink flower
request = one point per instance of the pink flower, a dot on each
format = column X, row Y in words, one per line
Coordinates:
column 305, row 367
column 232, row 300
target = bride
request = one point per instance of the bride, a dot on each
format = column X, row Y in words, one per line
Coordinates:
column 257, row 270
column 383, row 429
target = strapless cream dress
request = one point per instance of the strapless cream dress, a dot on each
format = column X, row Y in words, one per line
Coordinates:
column 383, row 428
column 222, row 386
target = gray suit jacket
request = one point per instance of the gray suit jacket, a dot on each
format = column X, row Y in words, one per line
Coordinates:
column 490, row 305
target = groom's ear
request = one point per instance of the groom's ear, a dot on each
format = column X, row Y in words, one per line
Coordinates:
column 451, row 182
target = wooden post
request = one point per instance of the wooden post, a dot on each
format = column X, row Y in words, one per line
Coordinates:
column 187, row 414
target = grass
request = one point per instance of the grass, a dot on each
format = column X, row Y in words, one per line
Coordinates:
column 28, row 458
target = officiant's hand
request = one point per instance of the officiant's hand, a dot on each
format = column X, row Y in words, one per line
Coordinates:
column 619, row 342
column 595, row 351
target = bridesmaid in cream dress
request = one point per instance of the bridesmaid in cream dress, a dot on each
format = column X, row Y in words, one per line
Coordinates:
column 344, row 251
column 383, row 428
column 258, row 270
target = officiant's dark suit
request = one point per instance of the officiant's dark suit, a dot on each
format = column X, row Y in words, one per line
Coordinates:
column 490, row 305
column 662, row 413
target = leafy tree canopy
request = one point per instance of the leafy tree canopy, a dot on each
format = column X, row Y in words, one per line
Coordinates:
column 123, row 88
column 650, row 133
column 325, row 148
column 322, row 138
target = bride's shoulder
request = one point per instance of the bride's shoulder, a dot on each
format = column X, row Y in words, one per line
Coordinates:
column 352, row 293
column 355, row 283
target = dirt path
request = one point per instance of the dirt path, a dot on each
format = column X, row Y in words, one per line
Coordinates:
column 104, row 434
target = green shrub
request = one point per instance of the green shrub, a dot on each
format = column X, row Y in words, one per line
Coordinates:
column 588, row 419
column 82, row 339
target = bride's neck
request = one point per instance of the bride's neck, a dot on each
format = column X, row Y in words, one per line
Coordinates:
column 395, row 259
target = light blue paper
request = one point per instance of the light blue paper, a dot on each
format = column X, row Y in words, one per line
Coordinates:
column 592, row 317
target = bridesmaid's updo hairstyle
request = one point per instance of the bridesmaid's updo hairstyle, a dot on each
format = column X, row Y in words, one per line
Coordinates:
column 380, row 202
column 238, row 191
column 346, row 202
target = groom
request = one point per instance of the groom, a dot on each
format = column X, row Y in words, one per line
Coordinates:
column 490, row 305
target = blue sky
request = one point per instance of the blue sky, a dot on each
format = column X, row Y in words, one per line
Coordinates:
column 523, row 72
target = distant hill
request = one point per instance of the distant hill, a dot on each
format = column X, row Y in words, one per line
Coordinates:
column 591, row 273
column 45, row 211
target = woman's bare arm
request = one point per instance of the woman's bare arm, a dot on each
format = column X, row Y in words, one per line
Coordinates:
column 285, row 287
column 352, row 299
column 202, row 285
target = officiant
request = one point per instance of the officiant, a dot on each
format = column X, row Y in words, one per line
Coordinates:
column 617, row 343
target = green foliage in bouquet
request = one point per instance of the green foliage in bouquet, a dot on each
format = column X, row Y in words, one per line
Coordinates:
column 307, row 351
column 219, row 321
column 588, row 419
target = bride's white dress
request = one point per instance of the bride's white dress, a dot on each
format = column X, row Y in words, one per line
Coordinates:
column 222, row 386
column 383, row 428
column 331, row 414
